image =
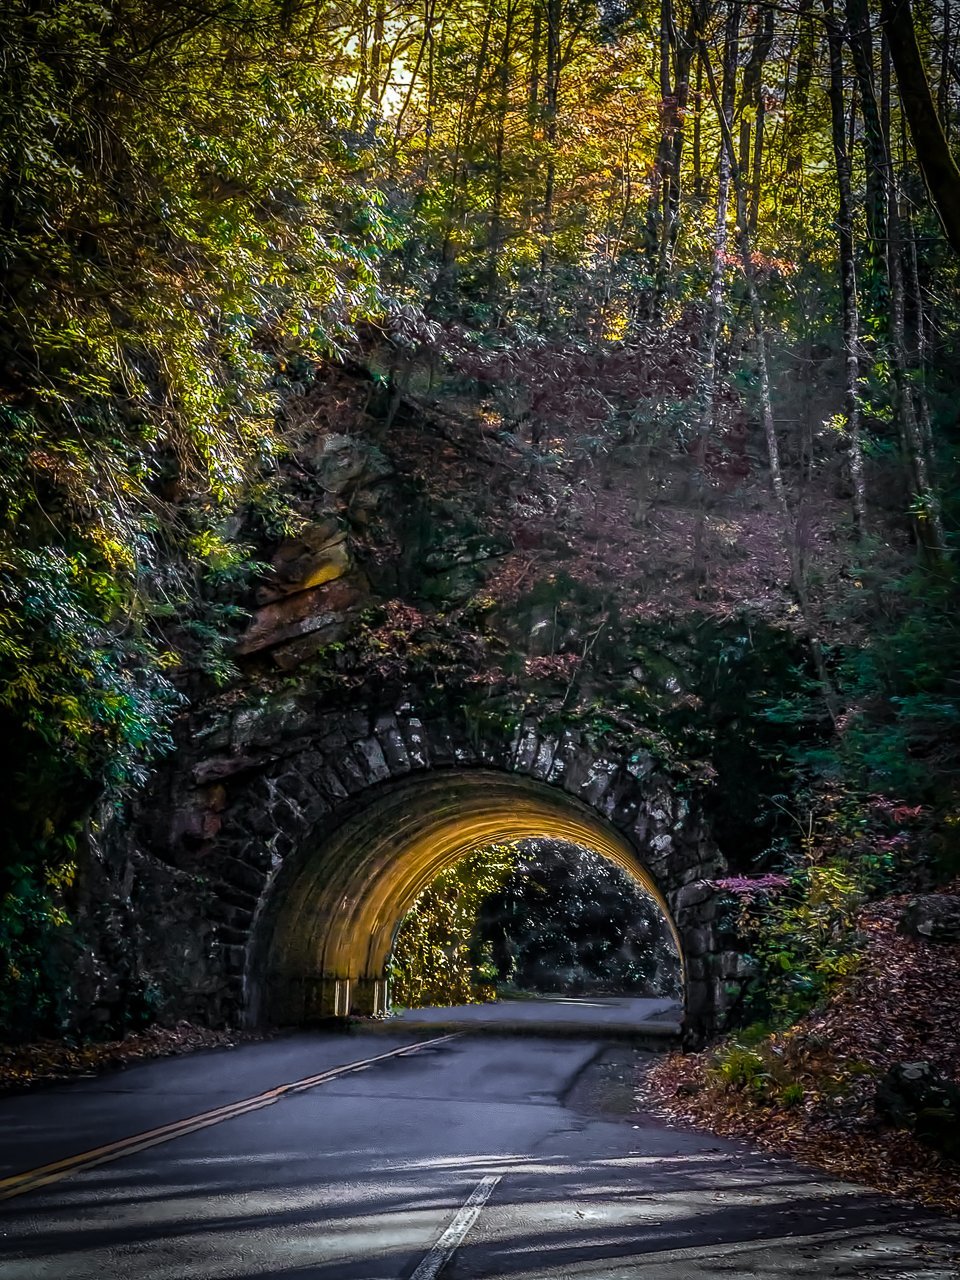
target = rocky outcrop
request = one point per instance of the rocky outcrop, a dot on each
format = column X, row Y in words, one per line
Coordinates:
column 933, row 916
column 914, row 1096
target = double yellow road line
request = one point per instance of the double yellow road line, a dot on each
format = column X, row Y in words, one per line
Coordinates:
column 20, row 1183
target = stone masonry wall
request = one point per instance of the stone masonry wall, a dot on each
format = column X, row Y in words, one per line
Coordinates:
column 253, row 786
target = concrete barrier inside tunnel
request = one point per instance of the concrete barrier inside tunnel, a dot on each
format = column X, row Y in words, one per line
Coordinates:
column 324, row 940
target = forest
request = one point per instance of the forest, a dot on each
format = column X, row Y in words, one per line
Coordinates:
column 709, row 235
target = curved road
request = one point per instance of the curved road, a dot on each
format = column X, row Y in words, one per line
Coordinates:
column 462, row 1158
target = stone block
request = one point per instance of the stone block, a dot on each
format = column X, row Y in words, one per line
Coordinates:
column 251, row 851
column 294, row 653
column 220, row 767
column 270, row 725
column 242, row 876
column 234, row 958
column 526, row 750
column 543, row 761
column 576, row 773
column 329, row 782
column 918, row 1097
column 639, row 764
column 697, row 941
column 732, row 966
column 694, row 895
column 600, row 782
column 286, row 813
column 626, row 810
column 228, row 935
column 233, row 896
column 348, row 770
column 415, row 737
column 934, row 917
column 344, row 463
column 567, row 748
column 699, row 998
column 281, row 844
column 229, row 914
column 213, row 732
column 448, row 747
column 596, row 778
column 296, row 787
column 372, row 760
column 318, row 554
column 355, row 725
column 392, row 745
column 494, row 747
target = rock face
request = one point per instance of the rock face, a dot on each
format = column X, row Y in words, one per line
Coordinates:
column 934, row 916
column 912, row 1095
column 345, row 462
column 324, row 612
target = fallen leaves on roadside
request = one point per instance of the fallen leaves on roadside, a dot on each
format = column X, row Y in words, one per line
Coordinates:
column 900, row 1006
column 45, row 1061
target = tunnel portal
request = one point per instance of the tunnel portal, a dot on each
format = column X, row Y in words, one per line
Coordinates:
column 327, row 936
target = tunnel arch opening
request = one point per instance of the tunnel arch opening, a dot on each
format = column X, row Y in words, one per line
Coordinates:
column 323, row 939
column 536, row 919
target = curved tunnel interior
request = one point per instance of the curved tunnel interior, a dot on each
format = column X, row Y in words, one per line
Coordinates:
column 324, row 941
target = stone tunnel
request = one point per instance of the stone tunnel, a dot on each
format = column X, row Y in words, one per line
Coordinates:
column 323, row 945
column 315, row 831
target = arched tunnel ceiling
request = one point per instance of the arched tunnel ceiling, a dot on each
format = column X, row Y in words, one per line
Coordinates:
column 335, row 913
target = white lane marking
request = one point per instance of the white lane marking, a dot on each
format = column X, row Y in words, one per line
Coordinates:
column 453, row 1237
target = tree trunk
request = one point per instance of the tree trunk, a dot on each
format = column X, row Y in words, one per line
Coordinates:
column 848, row 273
column 940, row 171
column 698, row 132
column 877, row 163
column 711, row 332
column 551, row 104
column 797, row 575
column 752, row 94
column 925, row 506
column 503, row 106
column 672, row 159
column 800, row 97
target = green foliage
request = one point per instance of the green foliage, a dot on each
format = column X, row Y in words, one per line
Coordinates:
column 99, row 703
column 801, row 933
column 198, row 203
column 432, row 962
column 806, row 942
column 901, row 734
column 31, row 913
column 751, row 1063
column 182, row 220
column 740, row 1066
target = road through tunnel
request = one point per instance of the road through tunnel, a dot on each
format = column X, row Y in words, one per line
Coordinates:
column 322, row 940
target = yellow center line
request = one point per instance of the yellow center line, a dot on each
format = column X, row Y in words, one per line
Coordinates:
column 20, row 1183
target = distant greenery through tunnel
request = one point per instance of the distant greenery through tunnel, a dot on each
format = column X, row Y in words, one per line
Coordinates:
column 534, row 916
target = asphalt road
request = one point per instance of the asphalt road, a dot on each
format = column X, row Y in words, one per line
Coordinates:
column 468, row 1158
column 597, row 1013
